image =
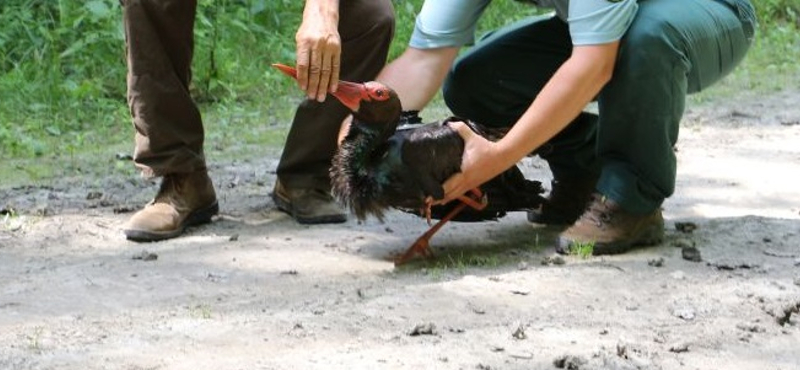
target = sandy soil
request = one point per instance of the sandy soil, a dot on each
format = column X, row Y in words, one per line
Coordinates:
column 254, row 290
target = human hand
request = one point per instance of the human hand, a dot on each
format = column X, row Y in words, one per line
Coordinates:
column 479, row 164
column 318, row 53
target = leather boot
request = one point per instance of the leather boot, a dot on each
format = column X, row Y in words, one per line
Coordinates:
column 611, row 229
column 183, row 200
column 566, row 202
column 308, row 206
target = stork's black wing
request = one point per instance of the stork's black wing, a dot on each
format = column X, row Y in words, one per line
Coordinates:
column 439, row 149
column 432, row 153
column 508, row 192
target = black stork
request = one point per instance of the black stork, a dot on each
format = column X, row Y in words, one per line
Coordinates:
column 378, row 167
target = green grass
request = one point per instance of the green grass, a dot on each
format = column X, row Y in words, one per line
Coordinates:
column 62, row 68
column 582, row 250
column 459, row 262
column 505, row 247
column 62, row 77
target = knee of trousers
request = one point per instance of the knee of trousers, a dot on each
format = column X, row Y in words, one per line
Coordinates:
column 381, row 17
column 461, row 88
column 454, row 96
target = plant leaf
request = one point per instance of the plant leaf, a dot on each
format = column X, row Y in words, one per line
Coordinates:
column 98, row 8
column 72, row 49
column 53, row 130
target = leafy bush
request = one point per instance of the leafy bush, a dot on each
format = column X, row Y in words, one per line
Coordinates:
column 778, row 12
column 62, row 62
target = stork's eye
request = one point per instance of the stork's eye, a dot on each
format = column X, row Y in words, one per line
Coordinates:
column 378, row 92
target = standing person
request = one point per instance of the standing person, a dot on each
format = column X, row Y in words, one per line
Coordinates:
column 350, row 39
column 637, row 59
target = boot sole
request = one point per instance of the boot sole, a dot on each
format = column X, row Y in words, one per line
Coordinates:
column 286, row 206
column 198, row 217
column 652, row 236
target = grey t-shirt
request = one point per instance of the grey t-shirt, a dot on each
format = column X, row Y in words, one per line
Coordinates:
column 443, row 23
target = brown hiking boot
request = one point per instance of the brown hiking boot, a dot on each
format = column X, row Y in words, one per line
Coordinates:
column 183, row 200
column 566, row 202
column 308, row 206
column 612, row 229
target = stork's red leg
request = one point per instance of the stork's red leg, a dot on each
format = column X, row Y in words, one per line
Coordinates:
column 421, row 245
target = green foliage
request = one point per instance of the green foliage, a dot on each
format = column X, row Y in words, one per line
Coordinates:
column 60, row 62
column 236, row 41
column 776, row 12
column 62, row 68
column 779, row 39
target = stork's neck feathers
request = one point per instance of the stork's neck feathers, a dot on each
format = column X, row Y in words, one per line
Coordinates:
column 360, row 169
column 366, row 144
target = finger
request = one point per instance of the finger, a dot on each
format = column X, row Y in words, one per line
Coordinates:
column 324, row 77
column 302, row 67
column 463, row 130
column 343, row 130
column 336, row 63
column 313, row 72
column 452, row 188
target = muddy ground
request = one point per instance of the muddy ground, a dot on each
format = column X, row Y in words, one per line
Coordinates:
column 255, row 290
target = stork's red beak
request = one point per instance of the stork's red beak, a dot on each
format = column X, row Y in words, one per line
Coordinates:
column 289, row 71
column 349, row 93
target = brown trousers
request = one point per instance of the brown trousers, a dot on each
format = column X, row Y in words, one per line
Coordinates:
column 169, row 129
column 366, row 28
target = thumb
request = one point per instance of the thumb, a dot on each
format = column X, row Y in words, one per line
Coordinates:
column 462, row 129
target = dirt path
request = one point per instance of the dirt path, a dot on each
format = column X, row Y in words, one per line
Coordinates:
column 254, row 290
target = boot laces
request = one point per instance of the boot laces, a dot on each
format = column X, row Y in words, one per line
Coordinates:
column 600, row 211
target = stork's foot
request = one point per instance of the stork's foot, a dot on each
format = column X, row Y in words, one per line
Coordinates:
column 421, row 246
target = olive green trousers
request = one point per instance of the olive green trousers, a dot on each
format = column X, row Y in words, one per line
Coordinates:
column 672, row 48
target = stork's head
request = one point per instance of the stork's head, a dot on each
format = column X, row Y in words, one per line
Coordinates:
column 370, row 102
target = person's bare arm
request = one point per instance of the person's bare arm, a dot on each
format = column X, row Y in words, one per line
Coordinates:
column 319, row 48
column 417, row 74
column 573, row 86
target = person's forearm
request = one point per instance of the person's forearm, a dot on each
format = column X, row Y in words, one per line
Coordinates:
column 327, row 10
column 417, row 75
column 567, row 93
